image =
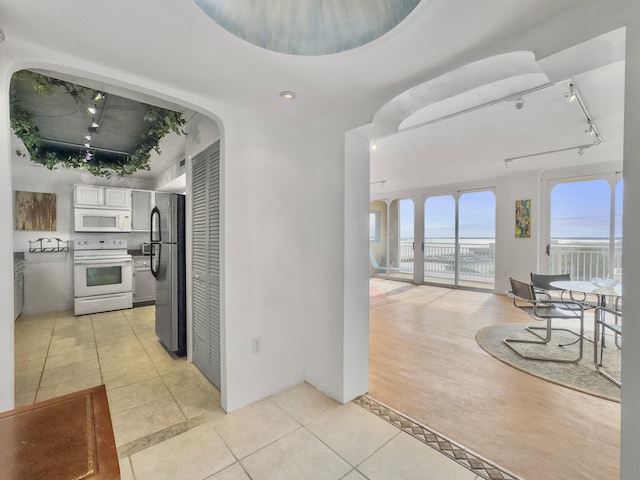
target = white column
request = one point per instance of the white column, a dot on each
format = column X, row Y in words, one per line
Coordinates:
column 356, row 268
column 6, row 251
column 630, row 420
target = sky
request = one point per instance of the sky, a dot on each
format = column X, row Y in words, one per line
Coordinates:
column 582, row 209
column 477, row 216
column 578, row 210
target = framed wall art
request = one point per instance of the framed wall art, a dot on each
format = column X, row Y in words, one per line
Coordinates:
column 523, row 218
column 35, row 211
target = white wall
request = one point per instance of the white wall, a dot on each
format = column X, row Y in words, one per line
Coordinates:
column 630, row 421
column 265, row 213
column 516, row 257
column 285, row 273
column 201, row 131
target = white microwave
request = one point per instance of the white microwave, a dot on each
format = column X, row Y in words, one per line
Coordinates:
column 101, row 220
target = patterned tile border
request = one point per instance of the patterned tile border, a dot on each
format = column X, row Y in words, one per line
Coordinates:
column 478, row 465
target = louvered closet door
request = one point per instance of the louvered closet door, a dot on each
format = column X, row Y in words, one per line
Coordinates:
column 206, row 263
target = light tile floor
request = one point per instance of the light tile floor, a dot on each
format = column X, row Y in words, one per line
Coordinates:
column 168, row 423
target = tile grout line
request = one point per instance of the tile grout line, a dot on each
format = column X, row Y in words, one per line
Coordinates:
column 95, row 342
column 46, row 357
column 353, row 467
column 477, row 464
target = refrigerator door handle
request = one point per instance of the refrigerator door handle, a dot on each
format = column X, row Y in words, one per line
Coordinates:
column 155, row 226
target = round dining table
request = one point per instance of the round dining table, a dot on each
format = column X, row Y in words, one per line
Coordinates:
column 590, row 288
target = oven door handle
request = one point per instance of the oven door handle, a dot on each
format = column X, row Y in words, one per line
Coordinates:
column 102, row 261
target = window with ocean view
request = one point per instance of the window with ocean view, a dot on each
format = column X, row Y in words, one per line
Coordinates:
column 585, row 234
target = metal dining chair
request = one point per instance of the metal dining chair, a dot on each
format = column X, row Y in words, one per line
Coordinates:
column 525, row 299
column 602, row 324
column 542, row 286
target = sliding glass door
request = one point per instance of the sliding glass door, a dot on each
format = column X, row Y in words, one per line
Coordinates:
column 459, row 239
column 440, row 240
column 477, row 239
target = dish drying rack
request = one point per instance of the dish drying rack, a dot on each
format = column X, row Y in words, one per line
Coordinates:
column 47, row 245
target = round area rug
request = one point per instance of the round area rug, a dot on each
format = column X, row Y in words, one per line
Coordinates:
column 581, row 376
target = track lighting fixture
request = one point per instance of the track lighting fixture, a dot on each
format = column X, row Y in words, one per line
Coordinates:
column 571, row 95
column 579, row 148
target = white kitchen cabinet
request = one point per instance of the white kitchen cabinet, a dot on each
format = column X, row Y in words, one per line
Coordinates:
column 142, row 201
column 144, row 283
column 93, row 196
column 117, row 198
column 89, row 196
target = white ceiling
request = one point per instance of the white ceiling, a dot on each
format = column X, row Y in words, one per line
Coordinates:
column 440, row 144
column 172, row 45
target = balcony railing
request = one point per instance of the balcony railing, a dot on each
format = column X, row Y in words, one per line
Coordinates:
column 586, row 259
column 476, row 260
column 582, row 259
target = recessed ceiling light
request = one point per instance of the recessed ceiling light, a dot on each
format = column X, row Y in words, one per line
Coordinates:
column 288, row 95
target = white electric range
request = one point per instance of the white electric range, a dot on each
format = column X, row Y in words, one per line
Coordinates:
column 102, row 276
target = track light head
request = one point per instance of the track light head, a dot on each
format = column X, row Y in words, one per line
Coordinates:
column 571, row 94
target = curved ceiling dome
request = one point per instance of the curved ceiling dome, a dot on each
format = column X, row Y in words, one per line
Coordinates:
column 308, row 27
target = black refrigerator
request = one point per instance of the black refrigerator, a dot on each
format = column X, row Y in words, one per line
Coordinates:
column 168, row 266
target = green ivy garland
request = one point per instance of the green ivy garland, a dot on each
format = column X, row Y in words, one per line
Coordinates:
column 160, row 121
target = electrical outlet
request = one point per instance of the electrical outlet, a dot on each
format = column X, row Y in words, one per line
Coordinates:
column 256, row 344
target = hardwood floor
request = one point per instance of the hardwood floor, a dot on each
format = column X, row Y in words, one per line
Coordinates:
column 424, row 362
